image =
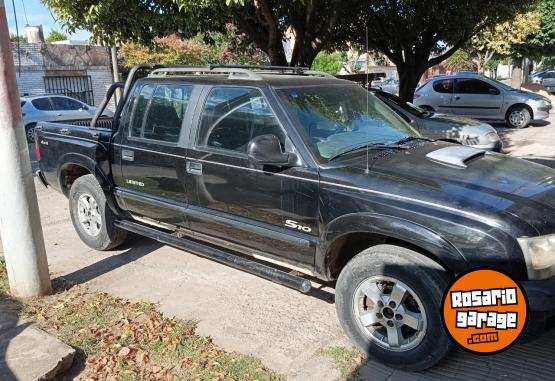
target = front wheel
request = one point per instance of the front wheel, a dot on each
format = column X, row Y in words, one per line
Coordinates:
column 518, row 117
column 92, row 218
column 388, row 300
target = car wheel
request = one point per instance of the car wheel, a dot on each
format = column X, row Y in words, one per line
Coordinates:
column 518, row 117
column 30, row 132
column 92, row 218
column 388, row 300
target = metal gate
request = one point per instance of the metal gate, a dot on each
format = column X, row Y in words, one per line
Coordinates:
column 78, row 87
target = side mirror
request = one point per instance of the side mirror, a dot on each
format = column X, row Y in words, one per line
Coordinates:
column 266, row 150
column 493, row 91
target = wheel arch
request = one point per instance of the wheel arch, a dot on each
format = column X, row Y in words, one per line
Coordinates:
column 347, row 236
column 73, row 166
column 524, row 105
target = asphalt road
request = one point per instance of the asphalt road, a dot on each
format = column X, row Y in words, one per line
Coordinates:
column 243, row 313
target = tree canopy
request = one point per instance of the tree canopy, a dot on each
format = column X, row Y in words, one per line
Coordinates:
column 501, row 39
column 315, row 24
column 416, row 35
column 542, row 42
column 328, row 62
column 54, row 36
column 413, row 34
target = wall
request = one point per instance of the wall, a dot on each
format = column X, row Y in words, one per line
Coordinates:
column 39, row 60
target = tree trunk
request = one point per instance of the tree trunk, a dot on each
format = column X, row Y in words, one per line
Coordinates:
column 516, row 76
column 409, row 76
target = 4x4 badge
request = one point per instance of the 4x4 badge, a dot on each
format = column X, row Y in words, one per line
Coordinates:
column 295, row 225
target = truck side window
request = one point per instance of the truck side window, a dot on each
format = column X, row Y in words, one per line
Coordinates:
column 141, row 104
column 232, row 116
column 163, row 119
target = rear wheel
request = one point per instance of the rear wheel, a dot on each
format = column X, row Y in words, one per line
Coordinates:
column 388, row 300
column 91, row 216
column 518, row 117
column 30, row 132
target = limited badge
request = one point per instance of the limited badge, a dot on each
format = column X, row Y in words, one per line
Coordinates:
column 484, row 311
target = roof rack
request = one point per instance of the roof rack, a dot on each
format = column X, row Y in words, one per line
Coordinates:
column 251, row 72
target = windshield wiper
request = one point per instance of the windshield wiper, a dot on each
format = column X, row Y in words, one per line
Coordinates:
column 369, row 145
column 408, row 139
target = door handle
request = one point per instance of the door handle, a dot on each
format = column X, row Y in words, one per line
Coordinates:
column 64, row 131
column 60, row 114
column 457, row 98
column 95, row 134
column 127, row 155
column 194, row 167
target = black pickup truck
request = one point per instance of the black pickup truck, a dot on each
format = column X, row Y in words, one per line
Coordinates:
column 271, row 169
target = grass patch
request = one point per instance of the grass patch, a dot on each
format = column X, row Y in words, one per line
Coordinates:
column 127, row 341
column 348, row 361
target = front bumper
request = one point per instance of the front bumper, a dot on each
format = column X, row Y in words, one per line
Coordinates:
column 541, row 294
column 496, row 146
column 541, row 302
column 541, row 112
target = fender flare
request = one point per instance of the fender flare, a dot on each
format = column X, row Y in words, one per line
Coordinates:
column 100, row 175
column 439, row 249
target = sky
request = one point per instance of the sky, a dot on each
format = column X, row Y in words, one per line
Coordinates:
column 37, row 13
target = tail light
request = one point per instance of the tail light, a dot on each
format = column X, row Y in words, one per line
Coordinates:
column 37, row 146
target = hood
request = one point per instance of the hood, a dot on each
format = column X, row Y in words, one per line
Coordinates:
column 465, row 178
column 523, row 94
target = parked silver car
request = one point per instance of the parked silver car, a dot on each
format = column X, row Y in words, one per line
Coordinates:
column 464, row 130
column 390, row 85
column 479, row 97
column 52, row 108
column 548, row 81
column 537, row 76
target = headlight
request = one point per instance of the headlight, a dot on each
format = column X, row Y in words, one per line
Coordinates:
column 539, row 254
column 492, row 136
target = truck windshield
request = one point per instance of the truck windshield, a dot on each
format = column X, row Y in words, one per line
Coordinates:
column 334, row 118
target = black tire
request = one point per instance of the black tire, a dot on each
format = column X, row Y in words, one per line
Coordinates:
column 103, row 236
column 30, row 132
column 423, row 277
column 518, row 117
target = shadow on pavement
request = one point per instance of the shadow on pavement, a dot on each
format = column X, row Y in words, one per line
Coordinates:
column 532, row 361
column 134, row 248
column 9, row 329
column 550, row 162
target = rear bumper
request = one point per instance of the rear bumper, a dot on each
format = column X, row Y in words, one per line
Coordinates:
column 41, row 177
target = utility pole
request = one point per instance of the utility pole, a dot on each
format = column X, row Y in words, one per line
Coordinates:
column 115, row 70
column 20, row 226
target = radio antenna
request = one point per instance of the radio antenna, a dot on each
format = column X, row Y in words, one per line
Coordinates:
column 367, row 170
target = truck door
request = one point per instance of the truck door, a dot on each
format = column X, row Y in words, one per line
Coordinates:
column 267, row 210
column 150, row 182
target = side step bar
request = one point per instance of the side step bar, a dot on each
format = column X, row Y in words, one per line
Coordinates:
column 240, row 263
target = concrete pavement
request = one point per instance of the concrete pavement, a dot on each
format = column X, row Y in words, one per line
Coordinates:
column 285, row 329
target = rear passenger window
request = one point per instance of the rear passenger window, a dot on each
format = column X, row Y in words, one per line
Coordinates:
column 473, row 86
column 233, row 116
column 159, row 112
column 443, row 86
column 42, row 104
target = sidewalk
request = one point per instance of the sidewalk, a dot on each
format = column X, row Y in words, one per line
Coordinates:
column 26, row 352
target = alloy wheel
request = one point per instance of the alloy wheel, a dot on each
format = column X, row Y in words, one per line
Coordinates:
column 89, row 214
column 390, row 313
